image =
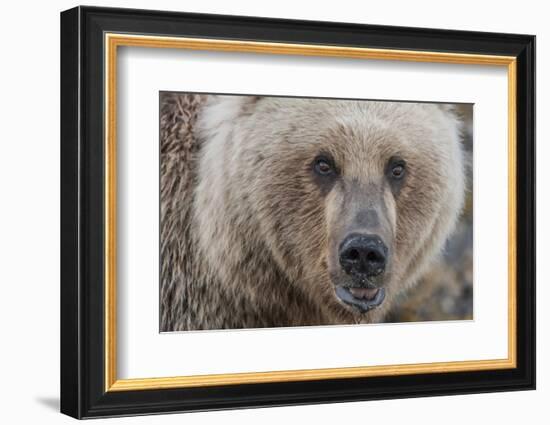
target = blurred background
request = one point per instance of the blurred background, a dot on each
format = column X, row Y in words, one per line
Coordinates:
column 446, row 291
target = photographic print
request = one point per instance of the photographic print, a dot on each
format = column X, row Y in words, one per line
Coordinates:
column 344, row 190
column 289, row 211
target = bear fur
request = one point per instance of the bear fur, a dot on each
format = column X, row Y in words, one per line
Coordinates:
column 249, row 234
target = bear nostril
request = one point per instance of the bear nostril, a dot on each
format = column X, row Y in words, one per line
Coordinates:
column 353, row 255
column 372, row 256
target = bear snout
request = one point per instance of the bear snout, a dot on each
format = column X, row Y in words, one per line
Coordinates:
column 363, row 257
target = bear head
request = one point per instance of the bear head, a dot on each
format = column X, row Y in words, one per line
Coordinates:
column 348, row 201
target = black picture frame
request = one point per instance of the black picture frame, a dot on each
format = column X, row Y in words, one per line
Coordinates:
column 83, row 392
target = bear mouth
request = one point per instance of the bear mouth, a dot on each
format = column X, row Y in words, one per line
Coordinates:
column 363, row 299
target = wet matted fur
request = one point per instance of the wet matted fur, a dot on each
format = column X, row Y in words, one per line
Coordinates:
column 249, row 235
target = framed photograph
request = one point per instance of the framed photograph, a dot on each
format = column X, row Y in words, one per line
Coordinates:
column 260, row 212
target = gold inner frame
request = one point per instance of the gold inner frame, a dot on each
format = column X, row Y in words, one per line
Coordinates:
column 113, row 41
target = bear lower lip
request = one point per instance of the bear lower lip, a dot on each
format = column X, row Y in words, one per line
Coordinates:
column 364, row 293
column 362, row 299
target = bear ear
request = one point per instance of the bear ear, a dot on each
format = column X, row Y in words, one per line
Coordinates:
column 456, row 114
column 448, row 108
column 462, row 113
column 220, row 109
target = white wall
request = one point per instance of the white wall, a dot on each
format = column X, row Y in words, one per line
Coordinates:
column 29, row 193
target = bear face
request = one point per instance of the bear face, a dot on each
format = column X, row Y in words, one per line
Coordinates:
column 349, row 201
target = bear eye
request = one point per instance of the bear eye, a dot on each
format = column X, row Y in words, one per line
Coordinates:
column 323, row 166
column 397, row 169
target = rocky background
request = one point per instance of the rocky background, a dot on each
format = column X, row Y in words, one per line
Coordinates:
column 446, row 291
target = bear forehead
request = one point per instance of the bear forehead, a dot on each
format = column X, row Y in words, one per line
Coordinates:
column 348, row 126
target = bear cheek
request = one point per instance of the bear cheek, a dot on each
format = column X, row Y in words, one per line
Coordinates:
column 308, row 234
column 333, row 230
column 417, row 209
column 293, row 217
column 311, row 235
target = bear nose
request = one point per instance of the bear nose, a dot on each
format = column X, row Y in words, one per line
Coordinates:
column 363, row 255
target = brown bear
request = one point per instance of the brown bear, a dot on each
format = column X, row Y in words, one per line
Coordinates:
column 293, row 212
